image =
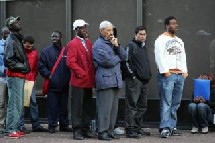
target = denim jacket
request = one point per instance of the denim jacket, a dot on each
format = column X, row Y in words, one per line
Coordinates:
column 107, row 60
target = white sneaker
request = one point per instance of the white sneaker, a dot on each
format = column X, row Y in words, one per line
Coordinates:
column 205, row 130
column 194, row 130
column 118, row 131
column 165, row 133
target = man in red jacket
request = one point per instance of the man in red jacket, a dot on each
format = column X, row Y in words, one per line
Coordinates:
column 79, row 60
column 32, row 56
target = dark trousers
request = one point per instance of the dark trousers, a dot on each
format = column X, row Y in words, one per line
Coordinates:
column 81, row 108
column 107, row 108
column 57, row 108
column 135, row 103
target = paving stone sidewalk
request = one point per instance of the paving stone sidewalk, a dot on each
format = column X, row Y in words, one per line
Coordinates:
column 62, row 137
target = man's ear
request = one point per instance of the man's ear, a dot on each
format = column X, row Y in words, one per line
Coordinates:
column 100, row 30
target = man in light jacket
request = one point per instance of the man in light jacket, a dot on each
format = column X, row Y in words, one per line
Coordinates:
column 107, row 55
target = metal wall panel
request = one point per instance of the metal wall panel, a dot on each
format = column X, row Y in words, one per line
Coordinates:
column 122, row 13
column 196, row 28
column 195, row 18
column 2, row 13
column 40, row 18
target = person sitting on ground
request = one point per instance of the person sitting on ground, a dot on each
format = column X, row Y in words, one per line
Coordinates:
column 201, row 110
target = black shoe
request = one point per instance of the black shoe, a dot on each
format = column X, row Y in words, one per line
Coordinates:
column 40, row 129
column 104, row 136
column 114, row 136
column 142, row 132
column 133, row 135
column 77, row 135
column 51, row 130
column 88, row 134
column 24, row 130
column 65, row 129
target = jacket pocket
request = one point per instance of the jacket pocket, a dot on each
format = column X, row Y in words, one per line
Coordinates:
column 109, row 79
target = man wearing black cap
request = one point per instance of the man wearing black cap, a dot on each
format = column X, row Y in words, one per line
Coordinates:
column 17, row 66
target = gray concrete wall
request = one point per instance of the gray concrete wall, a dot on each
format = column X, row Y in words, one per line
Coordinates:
column 41, row 17
column 193, row 16
column 196, row 28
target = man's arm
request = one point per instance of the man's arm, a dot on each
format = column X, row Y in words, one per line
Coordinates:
column 105, row 56
column 72, row 62
column 129, row 69
column 160, row 57
column 43, row 66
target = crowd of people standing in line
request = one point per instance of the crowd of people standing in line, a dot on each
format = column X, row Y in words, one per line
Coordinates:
column 84, row 65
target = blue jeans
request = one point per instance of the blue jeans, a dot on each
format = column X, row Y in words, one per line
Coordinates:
column 15, row 103
column 33, row 113
column 170, row 92
column 3, row 104
column 200, row 114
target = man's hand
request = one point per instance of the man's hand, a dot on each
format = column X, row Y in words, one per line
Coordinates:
column 185, row 75
column 114, row 41
column 167, row 74
column 202, row 100
column 196, row 99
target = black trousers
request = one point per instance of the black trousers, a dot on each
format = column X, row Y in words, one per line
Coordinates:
column 135, row 103
column 81, row 108
column 57, row 108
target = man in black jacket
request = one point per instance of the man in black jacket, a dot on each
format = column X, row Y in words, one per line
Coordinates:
column 137, row 73
column 17, row 66
column 58, row 90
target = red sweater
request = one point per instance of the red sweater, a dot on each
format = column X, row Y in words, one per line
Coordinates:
column 32, row 56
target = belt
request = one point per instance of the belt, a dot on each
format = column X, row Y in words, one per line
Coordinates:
column 175, row 71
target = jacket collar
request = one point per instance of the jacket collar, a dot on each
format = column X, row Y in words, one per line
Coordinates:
column 140, row 44
column 105, row 40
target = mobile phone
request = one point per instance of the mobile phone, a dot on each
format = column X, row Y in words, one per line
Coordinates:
column 115, row 32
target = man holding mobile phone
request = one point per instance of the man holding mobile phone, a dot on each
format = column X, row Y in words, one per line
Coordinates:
column 107, row 55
